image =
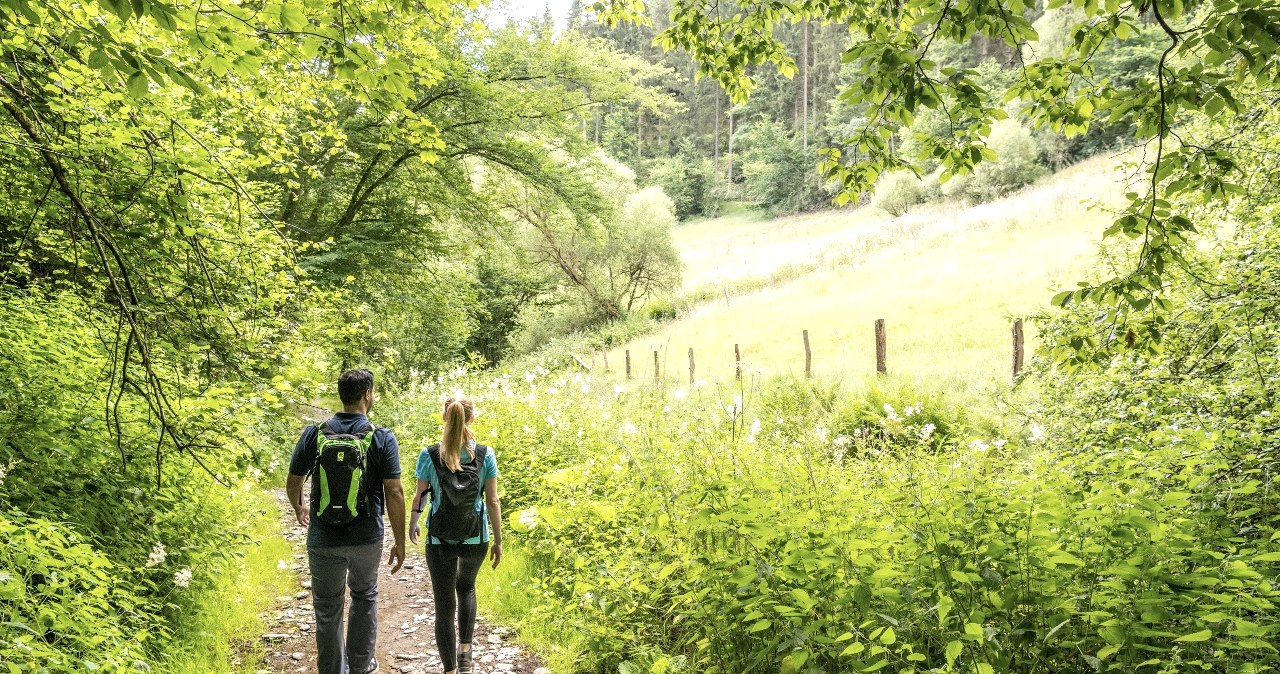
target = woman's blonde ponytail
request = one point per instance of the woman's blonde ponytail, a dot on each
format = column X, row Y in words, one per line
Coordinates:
column 458, row 414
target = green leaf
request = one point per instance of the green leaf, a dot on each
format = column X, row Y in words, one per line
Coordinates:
column 954, row 648
column 137, row 84
column 97, row 59
column 973, row 631
column 292, row 17
column 1202, row 635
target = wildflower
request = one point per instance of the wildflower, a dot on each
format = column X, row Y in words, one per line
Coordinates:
column 821, row 433
column 281, row 565
column 999, row 443
column 842, row 441
column 157, row 555
column 629, row 427
column 838, row 455
column 926, row 432
column 586, row 387
column 680, row 394
column 979, row 445
column 618, row 389
column 182, row 578
column 529, row 377
column 1037, row 432
column 891, row 413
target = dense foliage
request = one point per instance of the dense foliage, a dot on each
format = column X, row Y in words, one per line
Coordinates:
column 208, row 208
column 1121, row 518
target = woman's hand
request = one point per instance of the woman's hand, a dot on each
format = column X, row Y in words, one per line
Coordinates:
column 495, row 553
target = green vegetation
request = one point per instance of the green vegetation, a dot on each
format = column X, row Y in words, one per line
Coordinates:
column 948, row 283
column 211, row 209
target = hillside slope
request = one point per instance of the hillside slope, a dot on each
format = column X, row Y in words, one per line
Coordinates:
column 948, row 282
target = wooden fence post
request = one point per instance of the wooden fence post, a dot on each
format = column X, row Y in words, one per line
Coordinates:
column 628, row 363
column 808, row 356
column 737, row 363
column 657, row 376
column 691, row 366
column 1017, row 348
column 881, row 347
column 604, row 353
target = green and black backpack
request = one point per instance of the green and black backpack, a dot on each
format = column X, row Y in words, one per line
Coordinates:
column 341, row 462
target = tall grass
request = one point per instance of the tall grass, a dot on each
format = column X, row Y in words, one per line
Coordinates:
column 223, row 635
column 505, row 596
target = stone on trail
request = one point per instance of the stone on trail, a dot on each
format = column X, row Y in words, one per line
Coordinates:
column 298, row 655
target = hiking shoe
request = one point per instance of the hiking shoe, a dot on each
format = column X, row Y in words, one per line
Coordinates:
column 373, row 667
column 464, row 663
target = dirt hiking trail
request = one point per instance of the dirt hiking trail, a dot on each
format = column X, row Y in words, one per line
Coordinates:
column 406, row 620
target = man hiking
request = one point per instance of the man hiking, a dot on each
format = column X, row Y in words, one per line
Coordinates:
column 354, row 468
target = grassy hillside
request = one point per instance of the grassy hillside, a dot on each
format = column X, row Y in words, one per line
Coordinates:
column 947, row 281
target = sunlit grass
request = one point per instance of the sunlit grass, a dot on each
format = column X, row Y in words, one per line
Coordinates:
column 505, row 596
column 948, row 281
column 226, row 634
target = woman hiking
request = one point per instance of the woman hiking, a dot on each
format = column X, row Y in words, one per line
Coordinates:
column 462, row 478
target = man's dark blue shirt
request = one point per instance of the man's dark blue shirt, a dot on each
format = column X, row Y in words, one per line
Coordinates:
column 383, row 463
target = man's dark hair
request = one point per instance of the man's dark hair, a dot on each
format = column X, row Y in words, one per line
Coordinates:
column 353, row 384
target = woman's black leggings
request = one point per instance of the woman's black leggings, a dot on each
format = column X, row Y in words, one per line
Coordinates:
column 453, row 571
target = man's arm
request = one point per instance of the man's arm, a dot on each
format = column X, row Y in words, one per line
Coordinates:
column 293, row 487
column 393, row 491
column 495, row 518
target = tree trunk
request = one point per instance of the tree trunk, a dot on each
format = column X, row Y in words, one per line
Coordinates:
column 729, row 172
column 804, row 86
column 715, row 157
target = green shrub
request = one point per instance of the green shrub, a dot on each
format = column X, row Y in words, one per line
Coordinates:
column 67, row 607
column 690, row 182
column 780, row 175
column 896, row 192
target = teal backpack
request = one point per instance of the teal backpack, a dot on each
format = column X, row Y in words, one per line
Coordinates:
column 340, row 494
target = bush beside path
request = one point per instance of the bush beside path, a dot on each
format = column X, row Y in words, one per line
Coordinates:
column 406, row 621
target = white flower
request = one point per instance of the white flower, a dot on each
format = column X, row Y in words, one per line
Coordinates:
column 839, row 456
column 528, row 429
column 889, row 412
column 586, row 387
column 182, row 578
column 842, row 441
column 629, row 427
column 926, row 432
column 157, row 555
column 281, row 565
column 979, row 445
column 821, row 433
column 618, row 389
column 1037, row 432
column 999, row 443
column 529, row 376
